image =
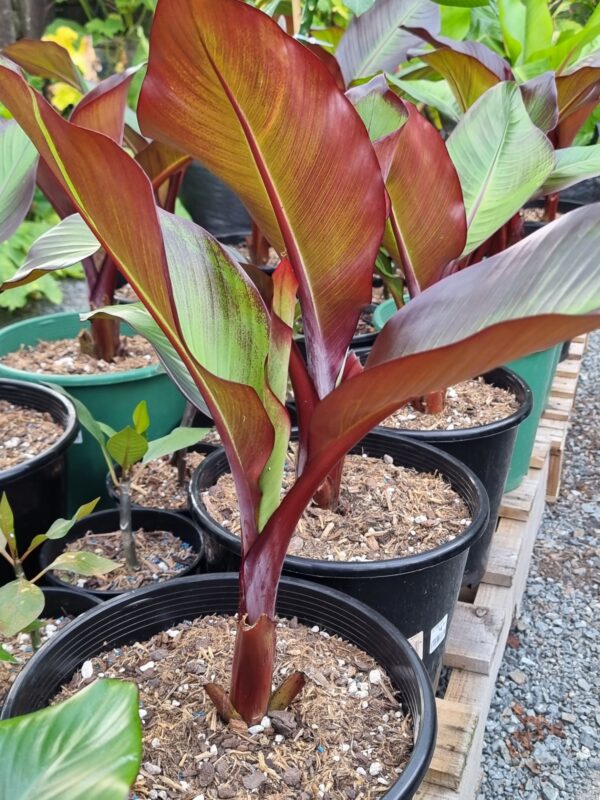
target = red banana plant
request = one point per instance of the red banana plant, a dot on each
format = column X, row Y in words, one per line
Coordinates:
column 102, row 108
column 226, row 85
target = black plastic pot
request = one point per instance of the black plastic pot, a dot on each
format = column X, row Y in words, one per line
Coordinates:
column 417, row 593
column 113, row 493
column 564, row 206
column 213, row 205
column 61, row 602
column 487, row 450
column 107, row 521
column 36, row 489
column 138, row 615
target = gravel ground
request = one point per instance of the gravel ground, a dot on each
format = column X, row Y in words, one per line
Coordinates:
column 542, row 736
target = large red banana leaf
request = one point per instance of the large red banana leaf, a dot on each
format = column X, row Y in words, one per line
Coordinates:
column 539, row 292
column 267, row 117
column 115, row 197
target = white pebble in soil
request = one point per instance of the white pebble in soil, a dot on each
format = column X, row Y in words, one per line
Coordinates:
column 551, row 669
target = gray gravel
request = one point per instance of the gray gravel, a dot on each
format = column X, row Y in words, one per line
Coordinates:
column 543, row 733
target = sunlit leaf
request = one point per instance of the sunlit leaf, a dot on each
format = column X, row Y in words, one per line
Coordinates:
column 127, row 447
column 178, row 439
column 82, row 563
column 20, row 603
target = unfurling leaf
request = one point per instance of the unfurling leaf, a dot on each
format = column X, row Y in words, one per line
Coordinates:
column 20, row 603
column 141, row 418
column 83, row 563
column 87, row 746
column 287, row 691
column 127, row 447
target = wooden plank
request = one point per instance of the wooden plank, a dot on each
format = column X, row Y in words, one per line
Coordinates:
column 504, row 554
column 456, row 727
column 541, row 448
column 517, row 504
column 554, row 475
column 558, row 408
column 569, row 368
column 563, row 387
column 473, row 638
column 576, row 350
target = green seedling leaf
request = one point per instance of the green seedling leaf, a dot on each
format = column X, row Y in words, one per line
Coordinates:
column 141, row 418
column 7, row 657
column 20, row 603
column 127, row 447
column 61, row 527
column 97, row 430
column 88, row 746
column 178, row 439
column 7, row 523
column 83, row 563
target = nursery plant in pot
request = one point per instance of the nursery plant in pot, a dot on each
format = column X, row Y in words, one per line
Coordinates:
column 22, row 601
column 155, row 545
column 38, row 427
column 106, row 371
column 225, row 331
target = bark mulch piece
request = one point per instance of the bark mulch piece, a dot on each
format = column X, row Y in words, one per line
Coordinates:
column 155, row 485
column 468, row 405
column 64, row 357
column 161, row 555
column 20, row 647
column 25, row 433
column 344, row 737
column 385, row 511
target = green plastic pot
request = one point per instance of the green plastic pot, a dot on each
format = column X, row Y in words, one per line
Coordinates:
column 111, row 398
column 537, row 370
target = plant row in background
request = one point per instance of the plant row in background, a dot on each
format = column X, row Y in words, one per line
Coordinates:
column 332, row 167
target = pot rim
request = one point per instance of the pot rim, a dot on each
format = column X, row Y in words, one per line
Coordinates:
column 171, row 517
column 450, row 468
column 100, row 379
column 426, row 729
column 71, row 426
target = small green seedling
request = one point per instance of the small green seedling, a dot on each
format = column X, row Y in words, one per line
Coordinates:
column 21, row 600
column 128, row 447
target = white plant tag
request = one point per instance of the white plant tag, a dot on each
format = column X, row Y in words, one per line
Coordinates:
column 438, row 633
column 417, row 643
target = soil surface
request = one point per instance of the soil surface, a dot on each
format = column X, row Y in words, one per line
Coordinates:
column 25, row 433
column 161, row 555
column 385, row 511
column 536, row 214
column 20, row 647
column 344, row 737
column 155, row 485
column 468, row 405
column 64, row 357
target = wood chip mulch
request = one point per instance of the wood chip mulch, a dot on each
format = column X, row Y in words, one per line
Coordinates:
column 155, row 485
column 385, row 511
column 161, row 555
column 468, row 405
column 64, row 357
column 345, row 736
column 25, row 433
column 19, row 646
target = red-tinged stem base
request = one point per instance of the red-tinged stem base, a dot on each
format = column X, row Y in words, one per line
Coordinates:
column 551, row 207
column 252, row 670
column 328, row 493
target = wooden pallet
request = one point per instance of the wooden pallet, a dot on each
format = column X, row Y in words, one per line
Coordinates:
column 479, row 629
column 554, row 424
column 476, row 642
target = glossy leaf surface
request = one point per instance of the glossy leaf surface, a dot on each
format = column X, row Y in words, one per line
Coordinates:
column 46, row 60
column 375, row 41
column 18, row 164
column 87, row 746
column 573, row 164
column 295, row 152
column 20, row 603
column 501, row 158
